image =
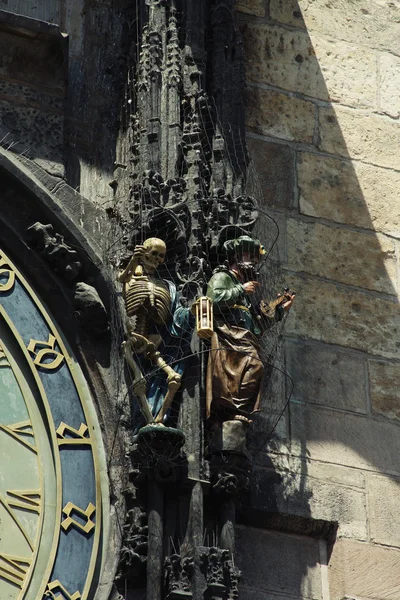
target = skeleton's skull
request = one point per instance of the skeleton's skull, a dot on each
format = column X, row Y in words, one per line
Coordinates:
column 154, row 255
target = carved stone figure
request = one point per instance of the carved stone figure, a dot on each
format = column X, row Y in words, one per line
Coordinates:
column 51, row 245
column 235, row 371
column 153, row 315
column 89, row 309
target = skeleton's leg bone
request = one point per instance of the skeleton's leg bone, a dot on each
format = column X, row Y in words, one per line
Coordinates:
column 173, row 378
column 137, row 341
column 173, row 387
column 139, row 383
column 155, row 339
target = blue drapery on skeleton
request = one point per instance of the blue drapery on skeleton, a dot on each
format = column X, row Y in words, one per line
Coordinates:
column 174, row 348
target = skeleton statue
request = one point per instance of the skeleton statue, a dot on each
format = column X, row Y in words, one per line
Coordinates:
column 148, row 304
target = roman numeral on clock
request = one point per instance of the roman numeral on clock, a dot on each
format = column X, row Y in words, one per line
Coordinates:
column 14, row 569
column 20, row 431
column 83, row 514
column 56, row 586
column 26, row 499
column 76, row 437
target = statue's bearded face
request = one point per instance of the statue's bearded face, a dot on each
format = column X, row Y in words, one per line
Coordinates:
column 155, row 254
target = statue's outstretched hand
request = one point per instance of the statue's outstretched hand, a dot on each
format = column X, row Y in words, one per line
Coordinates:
column 287, row 305
column 250, row 287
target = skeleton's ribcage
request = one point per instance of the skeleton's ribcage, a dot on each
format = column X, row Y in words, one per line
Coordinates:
column 151, row 297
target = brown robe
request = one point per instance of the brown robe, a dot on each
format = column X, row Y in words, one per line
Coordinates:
column 234, row 373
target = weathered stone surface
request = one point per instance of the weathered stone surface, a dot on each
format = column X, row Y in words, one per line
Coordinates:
column 367, row 22
column 319, row 68
column 39, row 134
column 34, row 60
column 32, row 96
column 354, row 134
column 363, row 571
column 271, row 229
column 251, row 7
column 345, row 439
column 289, row 12
column 367, row 260
column 249, row 594
column 383, row 503
column 298, row 494
column 352, row 193
column 274, row 174
column 389, row 82
column 302, row 579
column 46, row 10
column 285, row 462
column 384, row 388
column 337, row 315
column 336, row 474
column 327, row 377
column 279, row 115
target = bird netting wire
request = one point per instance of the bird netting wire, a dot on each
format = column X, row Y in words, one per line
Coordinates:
column 277, row 384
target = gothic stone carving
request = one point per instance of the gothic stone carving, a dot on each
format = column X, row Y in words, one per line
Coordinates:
column 51, row 245
column 221, row 574
column 134, row 546
column 178, row 577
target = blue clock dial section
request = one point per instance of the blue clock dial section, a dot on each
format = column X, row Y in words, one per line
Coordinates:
column 75, row 542
column 56, row 377
column 79, row 521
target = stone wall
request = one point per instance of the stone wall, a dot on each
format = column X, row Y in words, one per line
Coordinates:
column 323, row 130
column 62, row 83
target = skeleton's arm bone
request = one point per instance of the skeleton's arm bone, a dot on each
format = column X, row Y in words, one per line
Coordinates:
column 124, row 276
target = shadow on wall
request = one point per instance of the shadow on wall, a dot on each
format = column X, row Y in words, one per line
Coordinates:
column 325, row 146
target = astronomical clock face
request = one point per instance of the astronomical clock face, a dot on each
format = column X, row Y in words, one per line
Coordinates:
column 50, row 459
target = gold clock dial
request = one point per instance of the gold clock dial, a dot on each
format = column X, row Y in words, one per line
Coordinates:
column 51, row 507
column 24, row 474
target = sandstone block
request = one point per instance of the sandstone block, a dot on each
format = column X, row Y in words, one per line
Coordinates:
column 327, row 377
column 354, row 134
column 249, row 594
column 251, row 7
column 327, row 472
column 389, row 82
column 342, row 316
column 300, row 495
column 320, row 68
column 336, row 474
column 367, row 22
column 273, row 174
column 363, row 570
column 277, row 551
column 367, row 260
column 384, row 501
column 279, row 115
column 353, row 193
column 271, row 229
column 345, row 439
column 289, row 12
column 384, row 389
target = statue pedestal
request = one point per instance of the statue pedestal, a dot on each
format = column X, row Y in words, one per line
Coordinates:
column 230, row 437
column 158, row 457
column 160, row 439
column 158, row 453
